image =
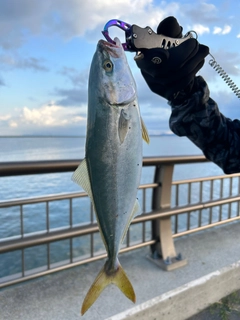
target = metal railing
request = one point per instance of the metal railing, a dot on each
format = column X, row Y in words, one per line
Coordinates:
column 178, row 208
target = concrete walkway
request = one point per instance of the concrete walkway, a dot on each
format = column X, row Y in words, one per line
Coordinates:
column 212, row 272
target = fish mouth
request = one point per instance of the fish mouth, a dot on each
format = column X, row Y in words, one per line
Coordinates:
column 104, row 43
column 117, row 43
column 111, row 48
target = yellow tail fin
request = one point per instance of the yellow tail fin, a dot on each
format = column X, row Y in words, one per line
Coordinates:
column 103, row 279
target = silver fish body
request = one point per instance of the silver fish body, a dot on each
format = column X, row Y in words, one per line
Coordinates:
column 111, row 170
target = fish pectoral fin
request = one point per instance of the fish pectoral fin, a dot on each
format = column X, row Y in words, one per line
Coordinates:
column 145, row 135
column 81, row 177
column 103, row 279
column 123, row 125
column 135, row 212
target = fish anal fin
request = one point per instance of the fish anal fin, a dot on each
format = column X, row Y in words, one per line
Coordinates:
column 135, row 212
column 145, row 135
column 103, row 279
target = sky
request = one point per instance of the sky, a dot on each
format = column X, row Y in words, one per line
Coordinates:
column 46, row 48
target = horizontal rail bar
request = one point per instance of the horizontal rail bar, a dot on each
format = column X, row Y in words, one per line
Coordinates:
column 55, row 197
column 210, row 178
column 184, row 209
column 34, row 167
column 46, row 237
column 34, row 240
column 153, row 161
column 52, row 166
column 207, row 226
column 65, row 196
column 73, row 264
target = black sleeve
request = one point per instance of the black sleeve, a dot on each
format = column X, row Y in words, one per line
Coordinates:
column 199, row 119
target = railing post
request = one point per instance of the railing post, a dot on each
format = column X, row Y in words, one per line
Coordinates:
column 163, row 251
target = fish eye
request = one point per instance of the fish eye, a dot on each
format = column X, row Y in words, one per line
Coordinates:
column 108, row 65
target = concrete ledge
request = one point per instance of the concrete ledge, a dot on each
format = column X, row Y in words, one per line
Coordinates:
column 189, row 299
column 212, row 272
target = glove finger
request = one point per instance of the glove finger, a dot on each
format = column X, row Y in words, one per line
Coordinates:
column 182, row 78
column 153, row 60
column 203, row 50
column 181, row 83
column 193, row 65
column 184, row 67
column 179, row 56
column 155, row 86
column 172, row 60
column 152, row 82
column 170, row 27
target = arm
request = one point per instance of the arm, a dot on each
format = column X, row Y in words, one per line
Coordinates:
column 194, row 114
column 198, row 118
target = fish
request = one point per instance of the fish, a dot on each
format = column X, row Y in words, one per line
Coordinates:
column 111, row 170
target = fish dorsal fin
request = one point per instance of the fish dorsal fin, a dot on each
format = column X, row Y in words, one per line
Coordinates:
column 81, row 177
column 135, row 212
column 145, row 135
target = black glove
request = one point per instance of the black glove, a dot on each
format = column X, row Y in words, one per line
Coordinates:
column 178, row 65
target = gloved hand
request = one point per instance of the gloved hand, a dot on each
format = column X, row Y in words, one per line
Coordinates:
column 178, row 67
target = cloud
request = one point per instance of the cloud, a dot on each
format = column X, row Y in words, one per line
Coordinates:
column 200, row 29
column 50, row 117
column 228, row 61
column 21, row 20
column 77, row 95
column 72, row 97
column 228, row 103
column 217, row 30
column 222, row 31
column 226, row 29
column 18, row 19
column 5, row 117
column 14, row 61
column 76, row 77
column 200, row 12
column 57, row 23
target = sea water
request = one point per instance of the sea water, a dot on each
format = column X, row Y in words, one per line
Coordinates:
column 64, row 148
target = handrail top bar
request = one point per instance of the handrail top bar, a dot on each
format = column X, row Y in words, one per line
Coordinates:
column 15, row 168
column 183, row 159
column 14, row 243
